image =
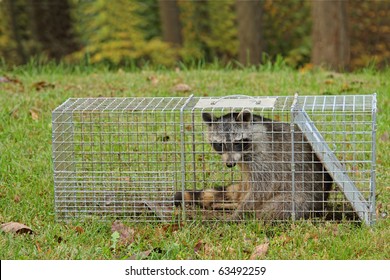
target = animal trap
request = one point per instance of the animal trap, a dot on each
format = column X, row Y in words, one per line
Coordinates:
column 230, row 158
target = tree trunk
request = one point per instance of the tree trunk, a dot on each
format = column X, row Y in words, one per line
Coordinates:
column 249, row 31
column 170, row 21
column 16, row 32
column 52, row 27
column 330, row 34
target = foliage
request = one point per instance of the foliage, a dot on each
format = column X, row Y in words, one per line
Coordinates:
column 150, row 24
column 222, row 38
column 370, row 29
column 111, row 35
column 287, row 29
column 194, row 17
column 17, row 42
column 128, row 32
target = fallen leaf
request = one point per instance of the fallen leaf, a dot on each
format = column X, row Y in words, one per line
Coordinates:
column 306, row 68
column 329, row 82
column 79, row 229
column 356, row 82
column 141, row 256
column 59, row 239
column 199, row 246
column 200, row 158
column 16, row 199
column 42, row 85
column 145, row 254
column 171, row 228
column 14, row 113
column 153, row 80
column 38, row 247
column 285, row 239
column 126, row 234
column 385, row 137
column 6, row 79
column 346, row 87
column 312, row 236
column 15, row 227
column 34, row 114
column 260, row 251
column 379, row 209
column 335, row 231
column 188, row 127
column 182, row 88
column 164, row 138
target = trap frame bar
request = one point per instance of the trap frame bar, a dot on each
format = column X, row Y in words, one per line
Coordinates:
column 77, row 121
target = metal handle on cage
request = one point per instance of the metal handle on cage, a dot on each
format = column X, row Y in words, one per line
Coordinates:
column 236, row 96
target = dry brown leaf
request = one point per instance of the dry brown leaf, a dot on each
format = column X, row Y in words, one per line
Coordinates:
column 141, row 256
column 199, row 246
column 14, row 113
column 310, row 236
column 59, row 239
column 15, row 227
column 182, row 88
column 285, row 239
column 189, row 127
column 38, row 247
column 34, row 114
column 153, row 80
column 385, row 137
column 42, row 85
column 6, row 79
column 170, row 227
column 126, row 233
column 16, row 199
column 79, row 229
column 379, row 209
column 260, row 251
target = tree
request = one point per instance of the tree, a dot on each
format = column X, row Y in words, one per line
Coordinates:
column 16, row 30
column 110, row 32
column 330, row 34
column 170, row 21
column 194, row 16
column 249, row 31
column 222, row 37
column 52, row 27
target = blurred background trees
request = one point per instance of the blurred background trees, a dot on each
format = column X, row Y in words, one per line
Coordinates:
column 339, row 34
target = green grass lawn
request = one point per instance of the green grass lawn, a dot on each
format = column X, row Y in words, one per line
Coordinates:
column 26, row 171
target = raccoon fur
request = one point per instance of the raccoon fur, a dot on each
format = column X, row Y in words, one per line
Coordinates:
column 272, row 166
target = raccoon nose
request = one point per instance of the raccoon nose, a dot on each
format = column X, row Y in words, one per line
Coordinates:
column 230, row 164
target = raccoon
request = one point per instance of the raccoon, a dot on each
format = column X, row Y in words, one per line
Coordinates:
column 272, row 166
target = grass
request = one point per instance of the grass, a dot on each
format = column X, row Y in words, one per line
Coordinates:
column 26, row 176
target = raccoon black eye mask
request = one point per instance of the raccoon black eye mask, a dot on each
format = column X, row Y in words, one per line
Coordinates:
column 238, row 146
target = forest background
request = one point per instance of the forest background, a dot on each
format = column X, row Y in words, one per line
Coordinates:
column 342, row 35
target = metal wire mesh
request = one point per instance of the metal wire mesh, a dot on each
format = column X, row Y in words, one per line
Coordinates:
column 231, row 158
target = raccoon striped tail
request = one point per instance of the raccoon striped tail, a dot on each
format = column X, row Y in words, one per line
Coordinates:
column 218, row 198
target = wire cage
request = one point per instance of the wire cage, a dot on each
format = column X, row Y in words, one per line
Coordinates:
column 230, row 158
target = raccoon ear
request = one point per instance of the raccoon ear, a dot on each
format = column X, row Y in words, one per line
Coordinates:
column 208, row 118
column 244, row 116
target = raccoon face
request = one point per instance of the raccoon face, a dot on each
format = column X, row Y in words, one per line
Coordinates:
column 230, row 136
